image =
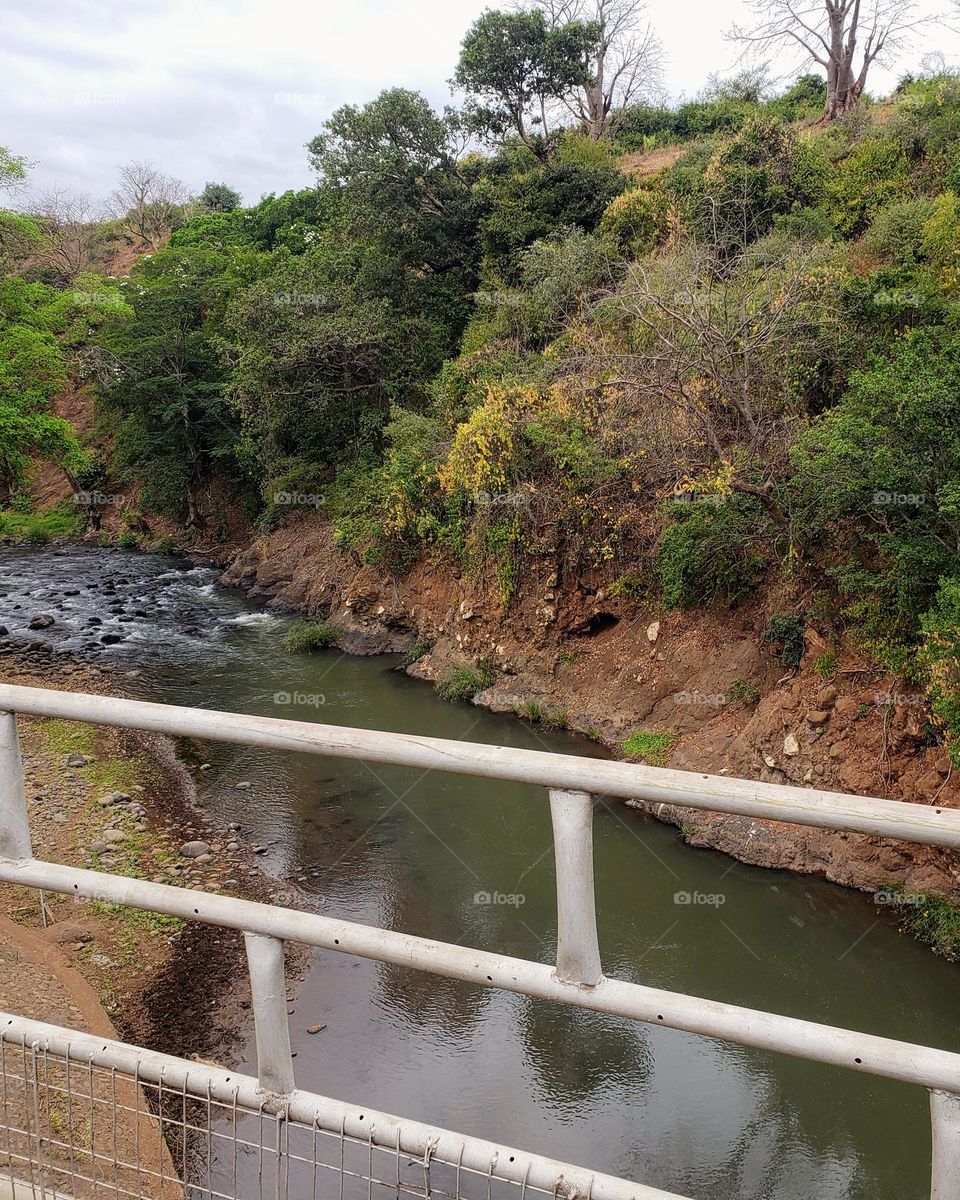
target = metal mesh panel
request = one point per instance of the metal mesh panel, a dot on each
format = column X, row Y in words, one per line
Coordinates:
column 69, row 1128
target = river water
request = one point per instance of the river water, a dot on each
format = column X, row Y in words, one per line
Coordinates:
column 419, row 853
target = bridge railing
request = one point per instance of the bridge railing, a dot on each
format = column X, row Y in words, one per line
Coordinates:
column 575, row 979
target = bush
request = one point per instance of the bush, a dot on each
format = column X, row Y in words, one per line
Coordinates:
column 871, row 175
column 462, row 681
column 787, row 630
column 897, row 231
column 712, row 551
column 651, row 748
column 306, row 636
column 635, row 222
column 941, row 658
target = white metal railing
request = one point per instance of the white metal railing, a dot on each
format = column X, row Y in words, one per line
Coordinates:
column 576, row 978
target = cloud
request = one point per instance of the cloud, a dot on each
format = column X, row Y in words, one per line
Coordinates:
column 233, row 89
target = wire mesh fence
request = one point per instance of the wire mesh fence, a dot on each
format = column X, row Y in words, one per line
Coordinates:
column 71, row 1128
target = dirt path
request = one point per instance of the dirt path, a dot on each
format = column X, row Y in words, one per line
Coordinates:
column 80, row 1124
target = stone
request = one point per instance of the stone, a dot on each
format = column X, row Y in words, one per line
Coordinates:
column 194, row 849
column 41, row 621
column 827, row 696
column 77, row 760
column 769, row 760
column 242, row 786
column 791, row 747
column 315, row 1028
column 653, row 632
column 846, row 707
column 818, row 717
column 111, row 639
column 114, row 837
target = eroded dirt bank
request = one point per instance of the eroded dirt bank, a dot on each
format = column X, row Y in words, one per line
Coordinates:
column 121, row 802
column 567, row 649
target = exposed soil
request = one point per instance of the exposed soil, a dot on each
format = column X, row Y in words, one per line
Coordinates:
column 607, row 666
column 181, row 989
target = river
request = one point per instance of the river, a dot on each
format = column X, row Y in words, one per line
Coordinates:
column 420, row 853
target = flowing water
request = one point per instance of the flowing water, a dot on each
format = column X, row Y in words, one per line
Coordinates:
column 419, row 853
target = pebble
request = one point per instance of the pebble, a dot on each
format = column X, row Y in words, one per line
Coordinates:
column 791, row 746
column 315, row 1028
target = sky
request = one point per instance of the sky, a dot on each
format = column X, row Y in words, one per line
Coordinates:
column 231, row 90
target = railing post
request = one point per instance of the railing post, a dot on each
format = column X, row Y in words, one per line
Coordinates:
column 945, row 1126
column 268, row 985
column 14, row 826
column 578, row 950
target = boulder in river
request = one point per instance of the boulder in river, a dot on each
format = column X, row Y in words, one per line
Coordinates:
column 42, row 621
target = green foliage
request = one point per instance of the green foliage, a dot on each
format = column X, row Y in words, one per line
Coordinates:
column 513, row 65
column 219, row 198
column 712, row 551
column 826, row 665
column 940, row 656
column 876, row 477
column 65, row 521
column 305, row 636
column 635, row 222
column 869, row 175
column 538, row 713
column 651, row 748
column 931, row 919
column 463, row 681
column 787, row 630
column 420, row 649
column 741, row 692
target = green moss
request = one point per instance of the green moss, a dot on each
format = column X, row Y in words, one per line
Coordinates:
column 651, row 748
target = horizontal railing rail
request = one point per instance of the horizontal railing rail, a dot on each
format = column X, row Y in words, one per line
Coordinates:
column 576, row 978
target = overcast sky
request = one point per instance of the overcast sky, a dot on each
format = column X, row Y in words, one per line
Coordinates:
column 232, row 89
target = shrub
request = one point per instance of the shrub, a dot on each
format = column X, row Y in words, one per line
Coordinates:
column 420, row 648
column 651, row 748
column 873, row 174
column 941, row 658
column 787, row 629
column 463, row 681
column 306, row 636
column 712, row 551
column 897, row 231
column 876, row 482
column 826, row 665
column 933, row 921
column 741, row 692
column 635, row 222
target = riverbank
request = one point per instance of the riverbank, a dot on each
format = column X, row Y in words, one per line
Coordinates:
column 702, row 690
column 120, row 801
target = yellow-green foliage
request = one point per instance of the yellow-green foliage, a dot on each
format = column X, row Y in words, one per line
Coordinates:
column 635, row 222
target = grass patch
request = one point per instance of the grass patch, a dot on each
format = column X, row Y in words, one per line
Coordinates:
column 418, row 650
column 787, row 629
column 60, row 739
column 41, row 527
column 930, row 920
column 306, row 636
column 826, row 665
column 463, row 681
column 542, row 714
column 651, row 748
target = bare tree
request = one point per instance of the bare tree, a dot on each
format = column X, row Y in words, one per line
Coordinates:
column 146, row 202
column 67, row 225
column 627, row 65
column 844, row 37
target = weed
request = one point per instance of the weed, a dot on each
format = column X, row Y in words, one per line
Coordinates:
column 306, row 636
column 463, row 681
column 652, row 748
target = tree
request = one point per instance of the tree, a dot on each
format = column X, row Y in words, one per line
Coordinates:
column 516, row 68
column 68, row 232
column 219, row 197
column 829, row 33
column 146, row 202
column 626, row 63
